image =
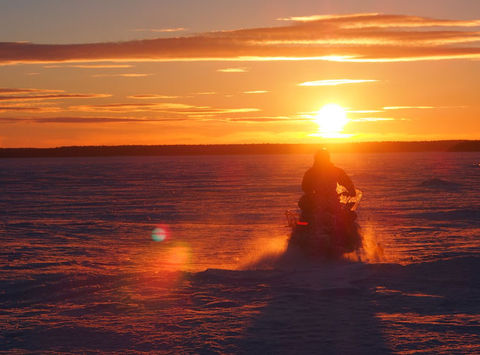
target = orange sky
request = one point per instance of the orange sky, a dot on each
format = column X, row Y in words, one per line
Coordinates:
column 398, row 77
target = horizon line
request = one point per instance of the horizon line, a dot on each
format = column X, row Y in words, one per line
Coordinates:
column 243, row 149
column 245, row 144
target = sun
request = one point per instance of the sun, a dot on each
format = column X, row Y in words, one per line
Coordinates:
column 331, row 119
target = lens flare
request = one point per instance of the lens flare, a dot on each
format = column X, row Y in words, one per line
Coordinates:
column 178, row 257
column 160, row 233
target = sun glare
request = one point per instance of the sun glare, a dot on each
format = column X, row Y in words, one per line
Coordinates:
column 331, row 119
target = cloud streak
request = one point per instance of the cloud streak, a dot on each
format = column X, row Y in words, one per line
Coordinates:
column 91, row 66
column 266, row 119
column 355, row 37
column 166, row 108
column 161, row 30
column 255, row 92
column 33, row 109
column 421, row 107
column 335, row 82
column 15, row 91
column 372, row 119
column 364, row 111
column 232, row 70
column 86, row 120
column 205, row 93
column 408, row 107
column 151, row 96
column 374, row 19
column 51, row 97
column 124, row 75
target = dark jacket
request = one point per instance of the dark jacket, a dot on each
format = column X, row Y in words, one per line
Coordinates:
column 321, row 181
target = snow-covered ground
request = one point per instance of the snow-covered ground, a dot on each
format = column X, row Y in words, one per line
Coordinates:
column 185, row 255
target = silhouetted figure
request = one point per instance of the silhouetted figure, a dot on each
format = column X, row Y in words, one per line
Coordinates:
column 320, row 187
column 327, row 227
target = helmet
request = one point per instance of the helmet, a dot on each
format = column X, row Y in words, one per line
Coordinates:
column 322, row 157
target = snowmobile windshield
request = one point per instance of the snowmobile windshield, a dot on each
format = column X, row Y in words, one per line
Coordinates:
column 350, row 201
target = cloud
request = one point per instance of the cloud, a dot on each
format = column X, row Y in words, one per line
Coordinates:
column 309, row 116
column 232, row 70
column 374, row 19
column 205, row 93
column 364, row 111
column 35, row 109
column 407, row 107
column 327, row 17
column 51, row 97
column 125, row 75
column 177, row 109
column 37, row 100
column 334, row 82
column 164, row 30
column 266, row 119
column 86, row 120
column 349, row 38
column 420, row 107
column 133, row 107
column 255, row 92
column 151, row 96
column 91, row 66
column 373, row 119
column 15, row 91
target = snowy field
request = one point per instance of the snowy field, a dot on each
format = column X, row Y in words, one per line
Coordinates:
column 185, row 255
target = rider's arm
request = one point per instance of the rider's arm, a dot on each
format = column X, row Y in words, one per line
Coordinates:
column 307, row 182
column 344, row 180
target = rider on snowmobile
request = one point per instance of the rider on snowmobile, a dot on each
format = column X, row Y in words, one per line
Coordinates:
column 320, row 187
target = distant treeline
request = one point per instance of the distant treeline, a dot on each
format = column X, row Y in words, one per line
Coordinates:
column 235, row 149
column 466, row 146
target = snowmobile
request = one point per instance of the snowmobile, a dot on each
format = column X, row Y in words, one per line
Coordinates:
column 322, row 233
